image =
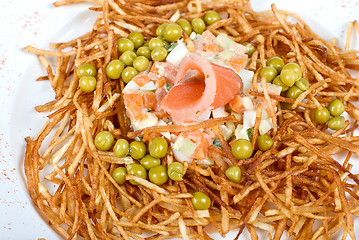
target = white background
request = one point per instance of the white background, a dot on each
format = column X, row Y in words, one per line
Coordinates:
column 36, row 23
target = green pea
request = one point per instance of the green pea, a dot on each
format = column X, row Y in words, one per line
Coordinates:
column 198, row 25
column 121, row 148
column 158, row 174
column 234, row 173
column 157, row 147
column 125, row 44
column 242, row 149
column 119, row 175
column 128, row 57
column 159, row 54
column 137, row 39
column 141, row 63
column 155, row 43
column 211, row 17
column 336, row 107
column 276, row 62
column 175, row 171
column 87, row 83
column 166, row 44
column 286, row 106
column 114, row 69
column 128, row 73
column 290, row 73
column 321, row 116
column 104, row 141
column 86, row 69
column 200, row 201
column 137, row 149
column 336, row 123
column 148, row 161
column 302, row 84
column 269, row 73
column 159, row 30
column 185, row 25
column 250, row 49
column 136, row 170
column 264, row 142
column 172, row 32
column 279, row 83
column 144, row 51
column 293, row 92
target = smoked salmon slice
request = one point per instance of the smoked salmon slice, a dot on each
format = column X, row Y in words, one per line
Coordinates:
column 200, row 86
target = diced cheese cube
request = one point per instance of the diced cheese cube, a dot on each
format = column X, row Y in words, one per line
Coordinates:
column 180, row 156
column 131, row 87
column 148, row 86
column 241, row 133
column 223, row 41
column 185, row 146
column 246, row 77
column 150, row 121
column 219, row 112
column 165, row 134
column 226, row 54
column 272, row 88
column 203, row 116
column 247, row 103
column 249, row 118
column 177, row 54
column 227, row 132
column 193, row 35
column 265, row 126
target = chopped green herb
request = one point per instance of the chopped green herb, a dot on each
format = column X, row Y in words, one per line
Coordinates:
column 217, row 143
column 197, row 111
column 169, row 121
column 207, row 76
column 168, row 86
column 172, row 46
column 250, row 133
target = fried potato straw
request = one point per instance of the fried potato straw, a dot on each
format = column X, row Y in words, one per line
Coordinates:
column 295, row 188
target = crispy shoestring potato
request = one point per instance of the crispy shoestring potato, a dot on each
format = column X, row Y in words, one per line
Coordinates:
column 296, row 188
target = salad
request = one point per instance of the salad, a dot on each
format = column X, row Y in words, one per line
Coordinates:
column 180, row 118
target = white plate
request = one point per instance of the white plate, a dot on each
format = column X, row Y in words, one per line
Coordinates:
column 34, row 22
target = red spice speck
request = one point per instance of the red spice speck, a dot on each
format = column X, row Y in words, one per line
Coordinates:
column 2, row 62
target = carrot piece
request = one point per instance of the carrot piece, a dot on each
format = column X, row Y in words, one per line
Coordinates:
column 157, row 79
column 149, row 100
column 207, row 37
column 200, row 139
column 202, row 149
column 210, row 47
column 134, row 113
column 155, row 68
column 141, row 79
column 133, row 99
column 238, row 62
column 236, row 104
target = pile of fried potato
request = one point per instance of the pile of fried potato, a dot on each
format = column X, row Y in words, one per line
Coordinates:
column 296, row 188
